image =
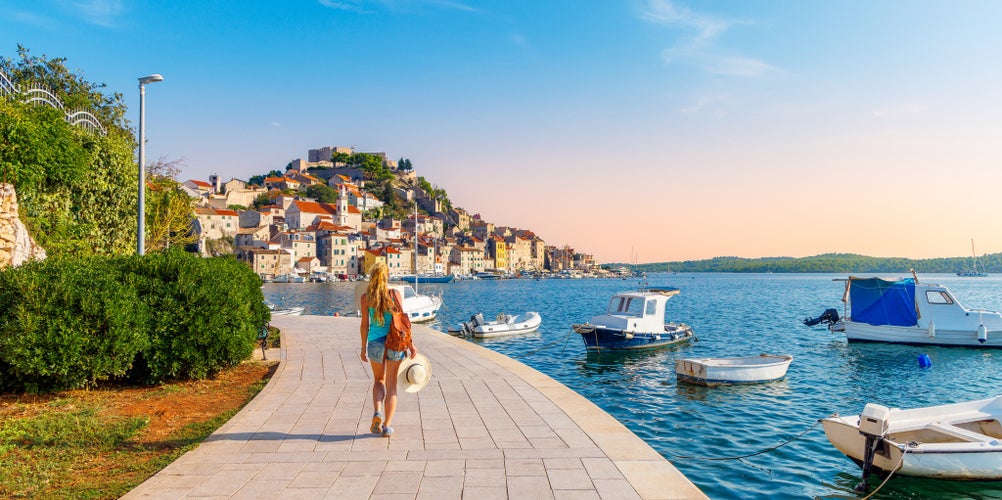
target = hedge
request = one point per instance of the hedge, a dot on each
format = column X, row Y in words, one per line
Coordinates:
column 70, row 323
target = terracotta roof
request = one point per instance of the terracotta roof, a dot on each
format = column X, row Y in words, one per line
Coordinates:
column 226, row 211
column 200, row 183
column 315, row 208
column 353, row 210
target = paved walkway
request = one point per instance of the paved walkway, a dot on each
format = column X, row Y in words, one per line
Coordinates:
column 485, row 427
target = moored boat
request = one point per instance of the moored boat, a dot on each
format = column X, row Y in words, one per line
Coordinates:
column 420, row 308
column 634, row 320
column 503, row 326
column 735, row 370
column 908, row 312
column 426, row 278
column 284, row 311
column 954, row 441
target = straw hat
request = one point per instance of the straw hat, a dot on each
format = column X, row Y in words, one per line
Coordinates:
column 414, row 373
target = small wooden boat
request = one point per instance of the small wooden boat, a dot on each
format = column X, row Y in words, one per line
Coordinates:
column 504, row 325
column 738, row 370
column 634, row 320
column 953, row 441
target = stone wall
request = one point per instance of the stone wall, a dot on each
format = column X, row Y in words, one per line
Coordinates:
column 16, row 245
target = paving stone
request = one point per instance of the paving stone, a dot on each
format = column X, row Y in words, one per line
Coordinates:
column 485, row 427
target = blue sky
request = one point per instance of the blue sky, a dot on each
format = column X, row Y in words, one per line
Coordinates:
column 678, row 129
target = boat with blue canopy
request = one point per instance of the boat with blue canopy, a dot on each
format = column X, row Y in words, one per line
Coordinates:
column 904, row 311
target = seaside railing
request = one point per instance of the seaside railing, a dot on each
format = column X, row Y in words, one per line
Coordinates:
column 41, row 95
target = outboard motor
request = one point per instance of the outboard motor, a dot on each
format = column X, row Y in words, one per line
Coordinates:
column 873, row 423
column 829, row 317
column 477, row 319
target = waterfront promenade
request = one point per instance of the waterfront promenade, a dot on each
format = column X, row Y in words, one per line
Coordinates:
column 485, row 427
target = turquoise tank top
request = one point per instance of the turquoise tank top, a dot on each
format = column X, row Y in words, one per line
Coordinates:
column 377, row 332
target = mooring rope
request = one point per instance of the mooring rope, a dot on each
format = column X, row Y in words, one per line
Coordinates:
column 550, row 344
column 771, row 448
column 893, row 470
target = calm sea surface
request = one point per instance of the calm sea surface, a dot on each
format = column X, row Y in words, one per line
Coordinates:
column 733, row 315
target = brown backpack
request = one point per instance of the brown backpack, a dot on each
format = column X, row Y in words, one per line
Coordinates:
column 399, row 338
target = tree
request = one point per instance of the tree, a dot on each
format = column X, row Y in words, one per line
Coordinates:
column 261, row 200
column 259, row 179
column 76, row 188
column 169, row 215
column 322, row 193
column 341, row 159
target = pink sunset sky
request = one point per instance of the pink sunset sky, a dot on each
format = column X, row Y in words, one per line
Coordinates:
column 661, row 129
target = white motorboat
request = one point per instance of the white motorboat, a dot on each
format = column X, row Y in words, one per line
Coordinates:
column 289, row 278
column 504, row 325
column 634, row 320
column 953, row 441
column 908, row 312
column 420, row 308
column 284, row 311
column 737, row 370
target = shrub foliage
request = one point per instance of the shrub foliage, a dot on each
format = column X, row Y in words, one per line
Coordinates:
column 69, row 323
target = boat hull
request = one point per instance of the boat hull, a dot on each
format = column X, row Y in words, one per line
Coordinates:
column 959, row 441
column 598, row 338
column 449, row 278
column 966, row 462
column 862, row 332
column 732, row 371
column 526, row 323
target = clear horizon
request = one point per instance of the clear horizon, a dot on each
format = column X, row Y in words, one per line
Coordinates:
column 647, row 130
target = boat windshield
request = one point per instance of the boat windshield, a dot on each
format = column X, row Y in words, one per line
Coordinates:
column 938, row 297
column 408, row 292
column 626, row 306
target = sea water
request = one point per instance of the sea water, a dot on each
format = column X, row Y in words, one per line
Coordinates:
column 732, row 315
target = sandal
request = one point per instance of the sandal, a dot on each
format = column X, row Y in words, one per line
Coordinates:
column 387, row 431
column 377, row 423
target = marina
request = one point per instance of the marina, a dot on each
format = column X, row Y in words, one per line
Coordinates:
column 732, row 315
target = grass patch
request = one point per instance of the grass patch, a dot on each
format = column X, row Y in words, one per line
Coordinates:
column 100, row 444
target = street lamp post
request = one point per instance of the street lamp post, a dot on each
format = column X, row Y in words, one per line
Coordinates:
column 141, row 233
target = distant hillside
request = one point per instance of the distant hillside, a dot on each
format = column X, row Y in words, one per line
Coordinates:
column 826, row 263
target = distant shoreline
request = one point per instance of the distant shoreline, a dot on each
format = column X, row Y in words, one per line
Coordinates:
column 825, row 263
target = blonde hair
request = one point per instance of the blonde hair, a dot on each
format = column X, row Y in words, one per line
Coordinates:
column 378, row 292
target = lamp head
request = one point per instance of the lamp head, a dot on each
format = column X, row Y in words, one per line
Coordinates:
column 156, row 77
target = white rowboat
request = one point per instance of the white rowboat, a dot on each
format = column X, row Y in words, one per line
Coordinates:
column 954, row 441
column 738, row 370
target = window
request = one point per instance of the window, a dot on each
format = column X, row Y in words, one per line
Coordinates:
column 938, row 297
column 651, row 307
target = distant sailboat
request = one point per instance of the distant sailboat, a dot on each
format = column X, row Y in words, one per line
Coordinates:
column 973, row 272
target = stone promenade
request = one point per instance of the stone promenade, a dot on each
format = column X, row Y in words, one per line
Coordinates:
column 486, row 427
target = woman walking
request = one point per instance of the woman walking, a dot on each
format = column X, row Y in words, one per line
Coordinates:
column 378, row 304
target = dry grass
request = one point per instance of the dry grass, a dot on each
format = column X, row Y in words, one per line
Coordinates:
column 102, row 443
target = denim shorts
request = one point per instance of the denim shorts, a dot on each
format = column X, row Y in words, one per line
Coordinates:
column 375, row 349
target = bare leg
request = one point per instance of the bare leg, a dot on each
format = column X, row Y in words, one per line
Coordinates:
column 379, row 384
column 391, row 389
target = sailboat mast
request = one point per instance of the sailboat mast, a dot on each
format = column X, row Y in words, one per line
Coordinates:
column 415, row 247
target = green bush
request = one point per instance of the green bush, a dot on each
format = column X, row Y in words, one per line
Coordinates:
column 204, row 314
column 67, row 324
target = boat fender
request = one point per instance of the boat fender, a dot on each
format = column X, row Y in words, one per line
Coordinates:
column 932, row 329
column 982, row 334
column 924, row 361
